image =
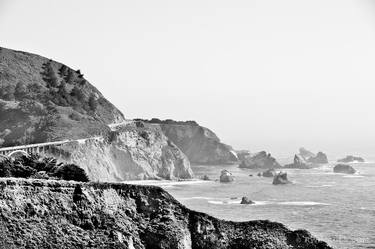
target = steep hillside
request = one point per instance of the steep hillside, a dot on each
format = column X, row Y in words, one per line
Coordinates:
column 43, row 100
column 200, row 144
column 51, row 214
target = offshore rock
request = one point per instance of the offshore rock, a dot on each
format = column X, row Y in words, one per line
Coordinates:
column 226, row 176
column 269, row 173
column 281, row 178
column 59, row 214
column 261, row 160
column 351, row 159
column 344, row 168
column 246, row 200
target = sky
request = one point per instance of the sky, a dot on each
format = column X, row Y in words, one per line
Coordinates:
column 263, row 75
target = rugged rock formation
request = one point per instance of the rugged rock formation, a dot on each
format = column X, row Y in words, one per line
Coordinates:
column 43, row 100
column 246, row 200
column 305, row 153
column 307, row 160
column 310, row 157
column 226, row 176
column 280, row 178
column 320, row 158
column 351, row 159
column 261, row 160
column 269, row 173
column 344, row 168
column 199, row 144
column 50, row 214
column 242, row 154
column 132, row 152
column 299, row 163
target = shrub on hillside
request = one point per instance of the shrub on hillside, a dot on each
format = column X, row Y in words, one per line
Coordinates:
column 71, row 172
column 34, row 166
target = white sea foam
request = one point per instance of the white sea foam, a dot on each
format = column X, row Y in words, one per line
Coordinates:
column 302, row 203
column 164, row 183
column 260, row 203
column 352, row 176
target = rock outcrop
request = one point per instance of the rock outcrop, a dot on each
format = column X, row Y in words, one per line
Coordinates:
column 299, row 163
column 269, row 173
column 226, row 176
column 305, row 153
column 51, row 214
column 261, row 160
column 351, row 159
column 43, row 100
column 246, row 200
column 307, row 160
column 281, row 178
column 344, row 168
column 200, row 144
column 320, row 158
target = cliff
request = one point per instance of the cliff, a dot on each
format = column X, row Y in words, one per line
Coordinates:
column 60, row 214
column 200, row 144
column 43, row 100
column 134, row 151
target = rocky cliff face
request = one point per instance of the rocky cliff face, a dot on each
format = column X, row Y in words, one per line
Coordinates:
column 200, row 144
column 131, row 152
column 51, row 214
column 43, row 100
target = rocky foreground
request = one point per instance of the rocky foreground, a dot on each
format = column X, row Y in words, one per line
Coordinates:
column 60, row 214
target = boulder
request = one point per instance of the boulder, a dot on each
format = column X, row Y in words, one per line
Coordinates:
column 269, row 173
column 280, row 178
column 246, row 200
column 351, row 159
column 205, row 178
column 226, row 176
column 344, row 168
column 261, row 160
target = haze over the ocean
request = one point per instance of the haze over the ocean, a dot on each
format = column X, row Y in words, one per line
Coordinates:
column 268, row 74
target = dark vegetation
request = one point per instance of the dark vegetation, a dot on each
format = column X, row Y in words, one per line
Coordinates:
column 35, row 166
column 167, row 121
column 64, row 88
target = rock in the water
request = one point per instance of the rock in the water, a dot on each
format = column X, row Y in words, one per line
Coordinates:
column 351, row 159
column 261, row 160
column 226, row 176
column 280, row 178
column 206, row 178
column 305, row 153
column 241, row 154
column 269, row 173
column 320, row 158
column 299, row 163
column 344, row 168
column 246, row 200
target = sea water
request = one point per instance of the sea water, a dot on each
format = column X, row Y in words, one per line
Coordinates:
column 336, row 208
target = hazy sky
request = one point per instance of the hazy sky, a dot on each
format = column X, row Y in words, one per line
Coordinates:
column 266, row 74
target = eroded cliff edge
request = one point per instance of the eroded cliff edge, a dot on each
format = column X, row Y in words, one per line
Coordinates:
column 200, row 144
column 50, row 214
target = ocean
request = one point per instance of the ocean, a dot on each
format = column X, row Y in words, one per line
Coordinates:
column 336, row 208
